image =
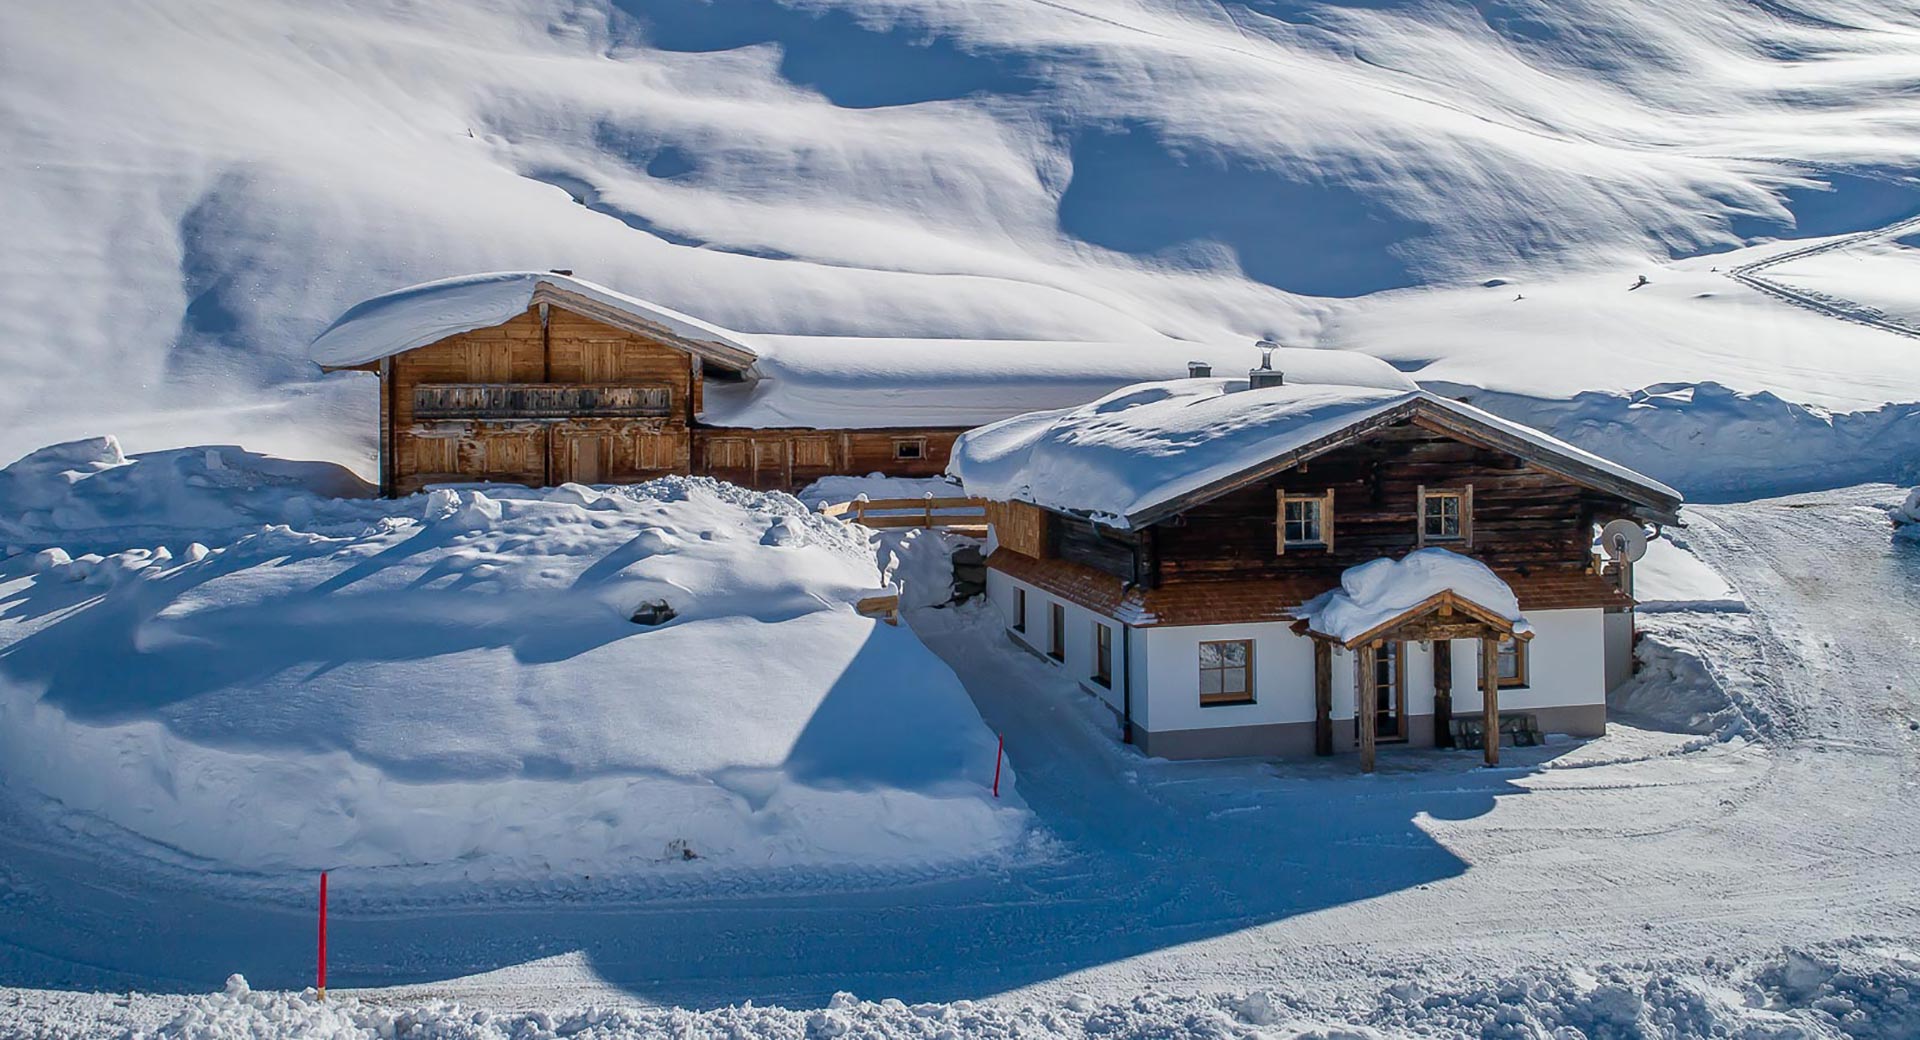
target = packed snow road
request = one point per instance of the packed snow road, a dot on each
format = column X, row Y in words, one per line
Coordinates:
column 1213, row 878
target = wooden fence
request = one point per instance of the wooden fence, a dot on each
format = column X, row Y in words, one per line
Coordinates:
column 962, row 515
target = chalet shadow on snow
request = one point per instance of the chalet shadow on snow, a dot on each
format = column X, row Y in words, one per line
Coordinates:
column 1282, row 566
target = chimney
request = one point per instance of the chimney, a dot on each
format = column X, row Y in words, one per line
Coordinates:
column 1266, row 375
column 1199, row 370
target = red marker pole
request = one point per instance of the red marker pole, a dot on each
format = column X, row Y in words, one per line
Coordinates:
column 998, row 753
column 321, row 982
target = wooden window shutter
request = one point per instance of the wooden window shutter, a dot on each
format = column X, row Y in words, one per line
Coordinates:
column 1420, row 516
column 1466, row 516
column 1280, row 522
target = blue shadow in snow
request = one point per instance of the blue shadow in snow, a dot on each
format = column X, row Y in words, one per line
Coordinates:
column 1134, row 192
column 1850, row 203
column 854, row 63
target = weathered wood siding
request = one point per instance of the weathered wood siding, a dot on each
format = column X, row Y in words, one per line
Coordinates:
column 1521, row 516
column 790, row 459
column 579, row 400
column 1021, row 528
column 483, row 391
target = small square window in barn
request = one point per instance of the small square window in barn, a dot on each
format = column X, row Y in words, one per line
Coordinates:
column 910, row 448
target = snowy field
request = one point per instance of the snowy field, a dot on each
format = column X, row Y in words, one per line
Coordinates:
column 1736, row 859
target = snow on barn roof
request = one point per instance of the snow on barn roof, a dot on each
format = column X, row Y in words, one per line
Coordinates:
column 399, row 321
column 864, row 382
column 1130, row 457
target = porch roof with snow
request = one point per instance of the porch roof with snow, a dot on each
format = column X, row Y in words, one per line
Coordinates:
column 413, row 317
column 1428, row 594
column 1150, row 451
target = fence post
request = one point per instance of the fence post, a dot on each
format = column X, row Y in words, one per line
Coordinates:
column 320, row 982
column 998, row 754
column 929, row 522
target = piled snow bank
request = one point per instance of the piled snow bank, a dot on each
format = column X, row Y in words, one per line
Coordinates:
column 1812, row 994
column 458, row 689
column 1717, row 444
column 877, row 486
column 1906, row 517
column 1671, row 578
column 1378, row 591
column 1693, row 677
column 88, row 493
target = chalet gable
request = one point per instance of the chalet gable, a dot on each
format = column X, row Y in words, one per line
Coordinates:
column 1649, row 500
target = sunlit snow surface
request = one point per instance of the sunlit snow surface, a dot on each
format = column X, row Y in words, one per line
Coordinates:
column 195, row 189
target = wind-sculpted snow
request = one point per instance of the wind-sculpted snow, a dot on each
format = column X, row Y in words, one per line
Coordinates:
column 194, row 192
column 453, row 686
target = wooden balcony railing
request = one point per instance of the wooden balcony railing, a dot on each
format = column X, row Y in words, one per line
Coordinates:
column 539, row 401
column 964, row 515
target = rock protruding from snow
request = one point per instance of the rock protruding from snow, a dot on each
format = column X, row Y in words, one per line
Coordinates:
column 1378, row 591
column 1906, row 517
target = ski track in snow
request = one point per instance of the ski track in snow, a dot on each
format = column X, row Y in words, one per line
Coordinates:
column 1212, row 877
column 1752, row 276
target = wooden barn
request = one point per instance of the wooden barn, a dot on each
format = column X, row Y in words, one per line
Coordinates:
column 1177, row 547
column 542, row 378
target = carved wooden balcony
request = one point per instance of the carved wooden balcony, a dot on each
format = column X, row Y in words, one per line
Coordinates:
column 540, row 401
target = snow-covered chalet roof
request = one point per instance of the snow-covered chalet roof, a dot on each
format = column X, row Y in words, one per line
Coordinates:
column 404, row 319
column 827, row 382
column 1131, row 457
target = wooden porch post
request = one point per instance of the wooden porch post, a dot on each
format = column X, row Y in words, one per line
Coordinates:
column 1490, row 696
column 1443, row 693
column 1322, row 697
column 1365, row 710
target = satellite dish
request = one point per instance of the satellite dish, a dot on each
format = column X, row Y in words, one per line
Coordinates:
column 1624, row 540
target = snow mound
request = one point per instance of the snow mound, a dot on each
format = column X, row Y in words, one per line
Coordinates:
column 1671, row 578
column 455, row 686
column 87, row 493
column 1906, row 517
column 1809, row 994
column 877, row 486
column 1380, row 590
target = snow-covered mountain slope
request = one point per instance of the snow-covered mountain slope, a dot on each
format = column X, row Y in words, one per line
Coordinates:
column 194, row 188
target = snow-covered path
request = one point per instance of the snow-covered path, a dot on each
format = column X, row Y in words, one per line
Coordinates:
column 1213, row 877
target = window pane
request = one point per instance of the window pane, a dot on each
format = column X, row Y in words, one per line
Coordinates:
column 1234, row 681
column 1233, row 655
column 1209, row 682
column 1209, row 655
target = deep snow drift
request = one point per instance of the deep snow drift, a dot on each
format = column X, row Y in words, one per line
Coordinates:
column 452, row 685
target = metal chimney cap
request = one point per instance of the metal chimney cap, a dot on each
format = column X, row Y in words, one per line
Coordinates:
column 1199, row 369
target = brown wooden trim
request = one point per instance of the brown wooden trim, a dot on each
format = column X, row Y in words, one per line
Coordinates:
column 1223, row 698
column 1490, row 699
column 1364, row 711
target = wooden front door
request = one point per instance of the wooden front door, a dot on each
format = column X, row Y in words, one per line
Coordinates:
column 1389, row 691
column 770, row 463
column 587, row 460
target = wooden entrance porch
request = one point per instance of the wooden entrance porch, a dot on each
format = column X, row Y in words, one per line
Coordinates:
column 1439, row 619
